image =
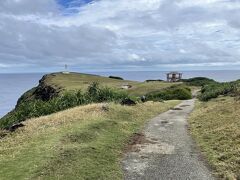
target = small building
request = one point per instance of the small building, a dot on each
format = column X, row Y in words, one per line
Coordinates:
column 174, row 76
column 66, row 70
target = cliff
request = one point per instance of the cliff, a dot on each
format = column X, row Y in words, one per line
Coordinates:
column 44, row 91
column 40, row 101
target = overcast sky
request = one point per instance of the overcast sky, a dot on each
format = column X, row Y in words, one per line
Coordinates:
column 106, row 35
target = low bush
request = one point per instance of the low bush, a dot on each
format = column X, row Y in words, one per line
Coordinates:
column 198, row 81
column 214, row 90
column 154, row 80
column 37, row 108
column 172, row 93
column 103, row 94
column 129, row 101
column 116, row 77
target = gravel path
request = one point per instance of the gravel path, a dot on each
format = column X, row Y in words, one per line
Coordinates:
column 168, row 151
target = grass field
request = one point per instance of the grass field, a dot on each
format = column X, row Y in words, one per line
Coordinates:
column 216, row 127
column 80, row 143
column 76, row 81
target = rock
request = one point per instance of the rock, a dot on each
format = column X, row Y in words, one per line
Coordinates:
column 126, row 87
column 44, row 91
column 128, row 102
column 143, row 99
column 15, row 127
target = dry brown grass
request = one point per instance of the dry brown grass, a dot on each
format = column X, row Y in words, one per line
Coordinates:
column 79, row 143
column 216, row 127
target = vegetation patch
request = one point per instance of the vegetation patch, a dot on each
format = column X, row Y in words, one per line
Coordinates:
column 85, row 142
column 178, row 92
column 198, row 81
column 116, row 77
column 37, row 108
column 154, row 80
column 215, row 126
column 147, row 87
column 58, row 91
column 214, row 90
column 57, row 84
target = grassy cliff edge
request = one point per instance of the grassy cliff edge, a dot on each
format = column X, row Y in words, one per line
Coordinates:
column 59, row 91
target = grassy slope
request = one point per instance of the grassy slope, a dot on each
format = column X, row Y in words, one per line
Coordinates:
column 216, row 127
column 84, row 143
column 82, row 81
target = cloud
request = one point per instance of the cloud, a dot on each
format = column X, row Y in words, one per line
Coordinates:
column 19, row 7
column 118, row 34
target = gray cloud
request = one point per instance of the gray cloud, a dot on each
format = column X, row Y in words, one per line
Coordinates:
column 119, row 34
column 18, row 7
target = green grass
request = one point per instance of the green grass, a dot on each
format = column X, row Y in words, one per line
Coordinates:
column 144, row 88
column 59, row 91
column 76, row 81
column 177, row 92
column 216, row 127
column 81, row 143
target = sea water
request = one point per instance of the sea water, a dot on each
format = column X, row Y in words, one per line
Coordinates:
column 12, row 86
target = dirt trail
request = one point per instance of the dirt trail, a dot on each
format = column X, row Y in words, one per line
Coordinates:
column 168, row 151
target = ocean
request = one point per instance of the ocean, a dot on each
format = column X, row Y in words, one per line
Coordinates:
column 12, row 86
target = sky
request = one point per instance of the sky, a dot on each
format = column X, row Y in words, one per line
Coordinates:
column 112, row 35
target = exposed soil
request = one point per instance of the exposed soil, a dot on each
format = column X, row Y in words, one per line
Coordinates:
column 136, row 139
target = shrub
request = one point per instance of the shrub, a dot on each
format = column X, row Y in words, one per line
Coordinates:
column 154, row 80
column 116, row 77
column 198, row 81
column 172, row 93
column 37, row 108
column 214, row 90
column 104, row 94
column 129, row 101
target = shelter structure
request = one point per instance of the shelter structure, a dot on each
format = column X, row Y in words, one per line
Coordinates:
column 174, row 76
column 66, row 70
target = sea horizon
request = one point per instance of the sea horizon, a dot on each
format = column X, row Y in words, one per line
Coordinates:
column 214, row 74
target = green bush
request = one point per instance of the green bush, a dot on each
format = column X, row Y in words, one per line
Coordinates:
column 198, row 81
column 172, row 93
column 96, row 93
column 37, row 108
column 154, row 80
column 116, row 77
column 214, row 90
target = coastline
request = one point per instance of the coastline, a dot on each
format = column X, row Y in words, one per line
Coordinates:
column 15, row 84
